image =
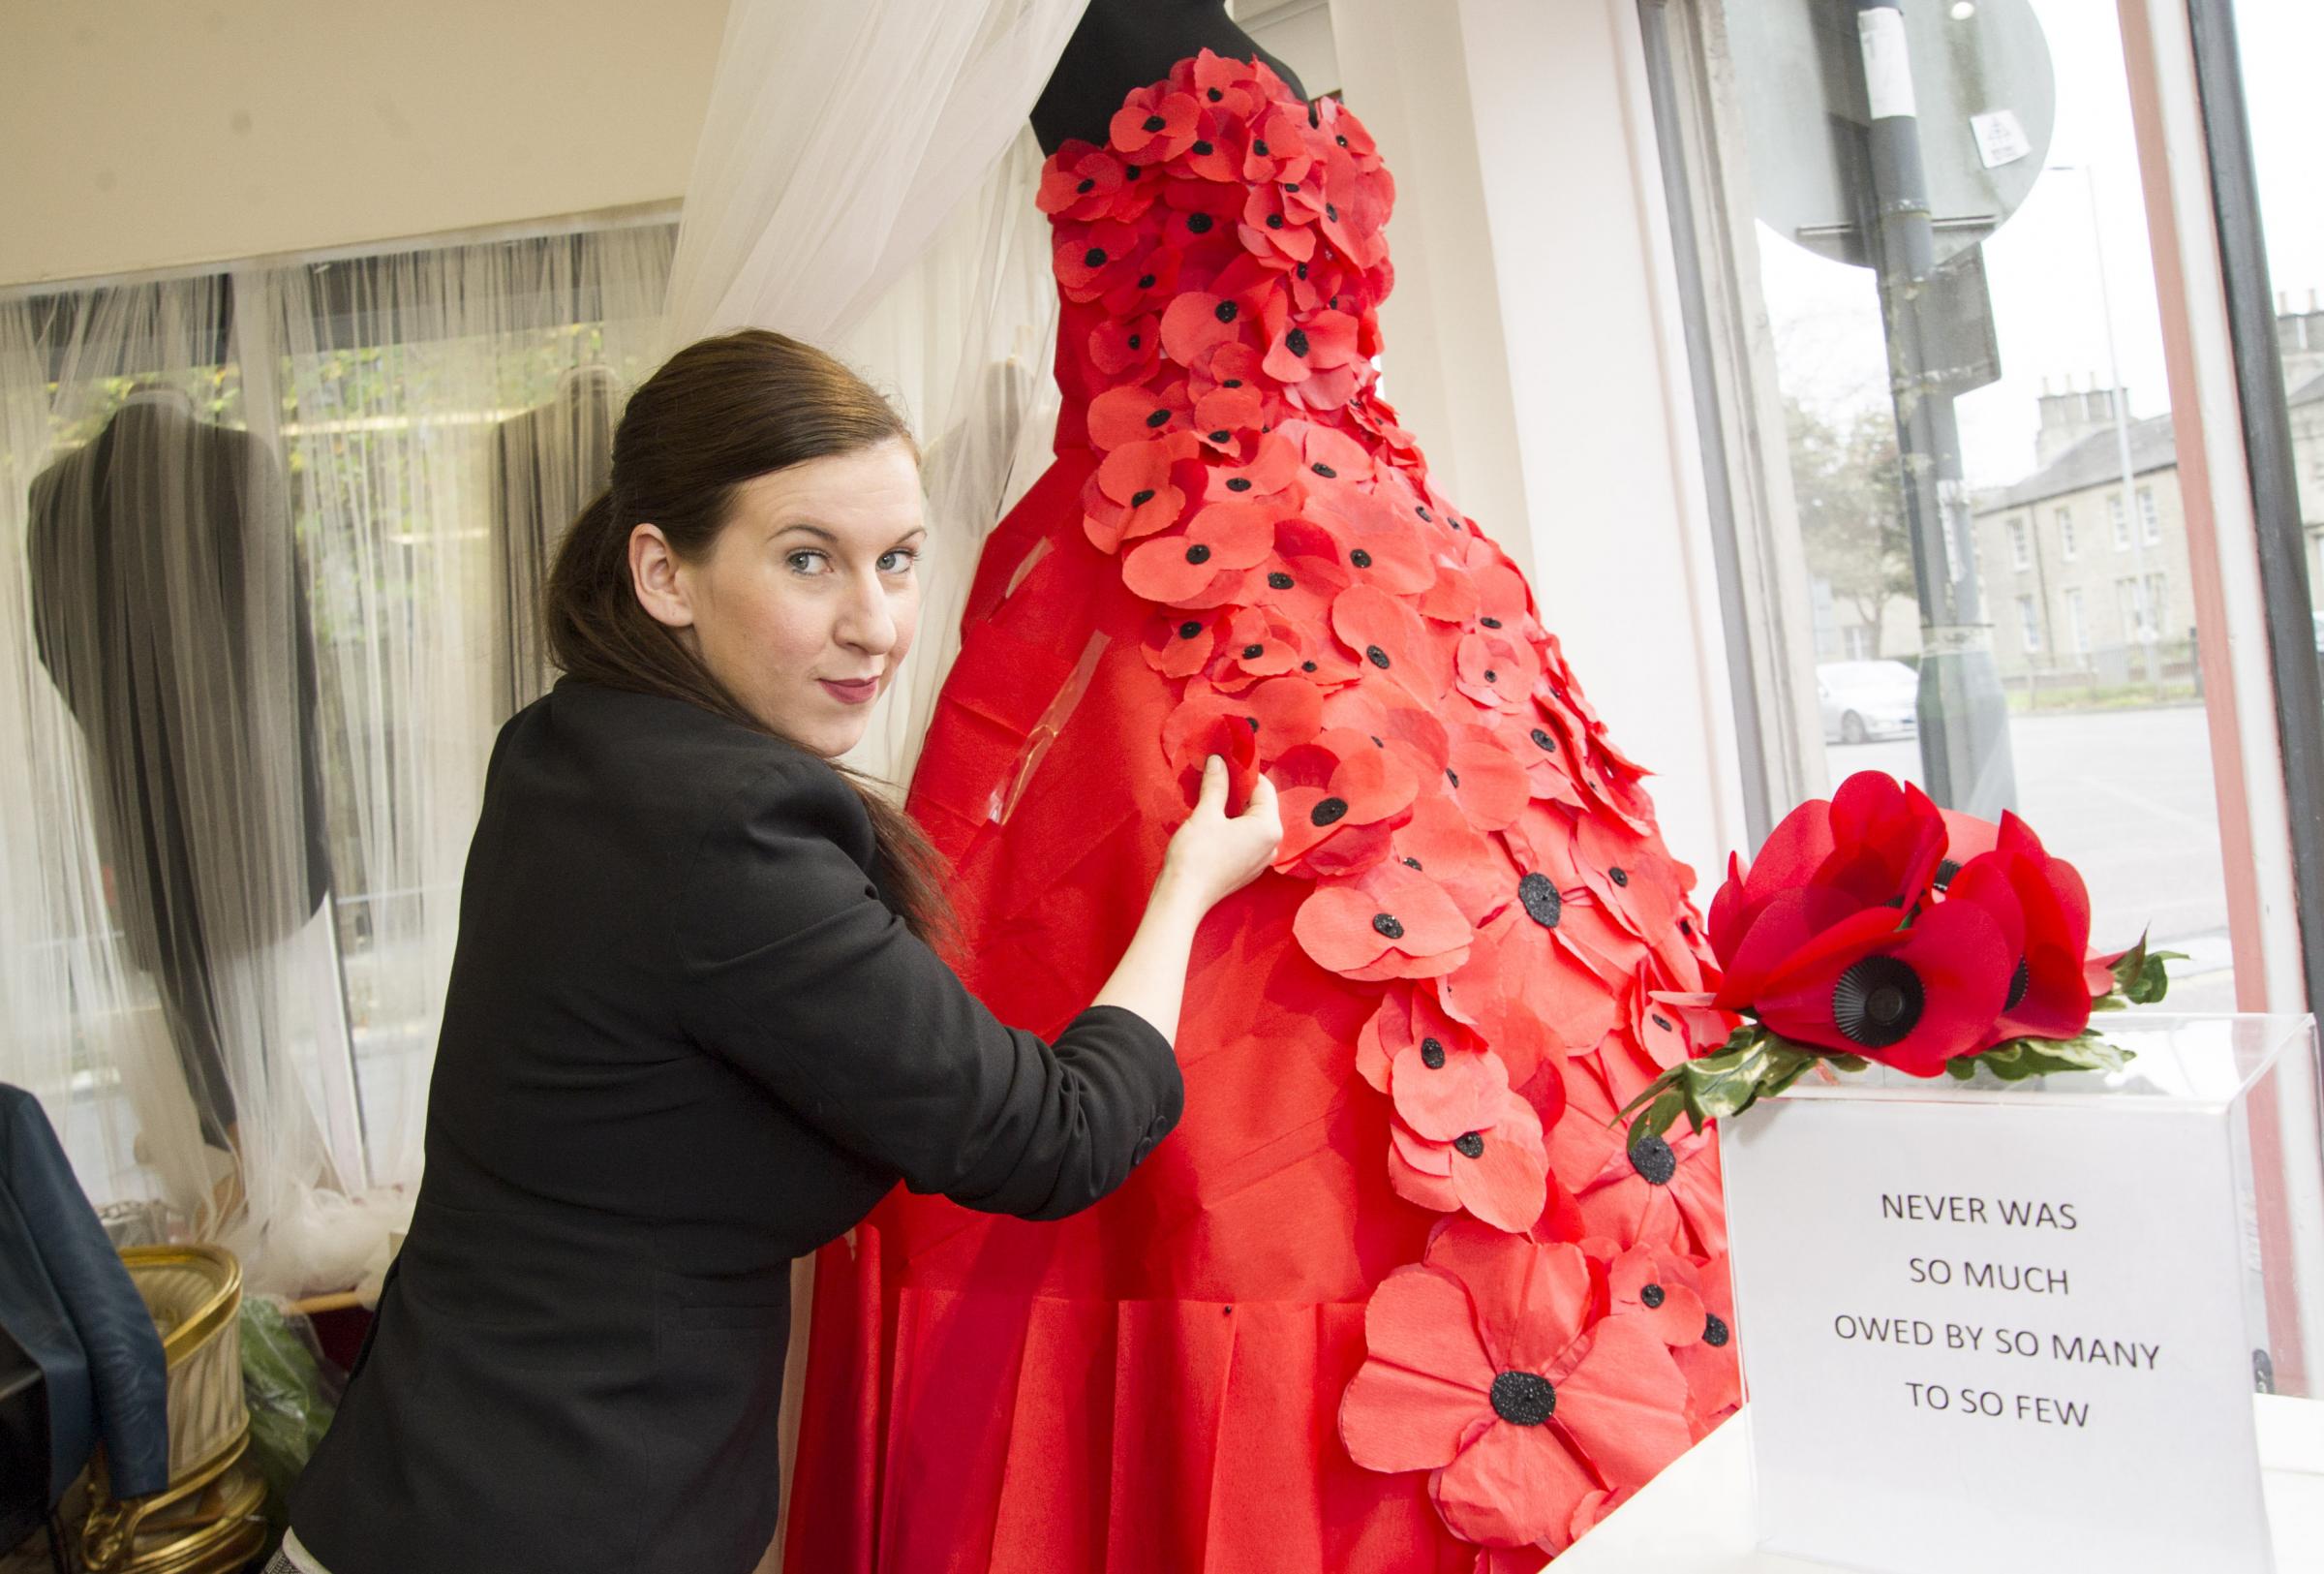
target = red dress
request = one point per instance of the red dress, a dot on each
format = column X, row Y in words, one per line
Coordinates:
column 1401, row 1047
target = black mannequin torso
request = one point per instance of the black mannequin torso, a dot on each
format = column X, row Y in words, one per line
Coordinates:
column 1122, row 44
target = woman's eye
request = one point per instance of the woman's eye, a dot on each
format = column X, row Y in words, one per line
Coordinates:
column 908, row 558
column 795, row 559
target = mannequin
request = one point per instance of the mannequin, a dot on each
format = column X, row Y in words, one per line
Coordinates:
column 546, row 466
column 167, row 607
column 1124, row 44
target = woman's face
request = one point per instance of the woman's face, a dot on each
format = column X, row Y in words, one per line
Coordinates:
column 807, row 599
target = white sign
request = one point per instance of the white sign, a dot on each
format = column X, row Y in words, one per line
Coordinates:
column 1996, row 1337
column 2000, row 139
column 1887, row 62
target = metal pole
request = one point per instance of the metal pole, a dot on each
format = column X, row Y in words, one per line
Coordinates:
column 1964, row 714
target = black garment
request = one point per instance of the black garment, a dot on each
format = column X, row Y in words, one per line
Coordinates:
column 167, row 607
column 684, row 1043
column 70, row 1305
column 1120, row 44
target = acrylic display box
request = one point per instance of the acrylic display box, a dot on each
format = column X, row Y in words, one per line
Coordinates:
column 2018, row 1326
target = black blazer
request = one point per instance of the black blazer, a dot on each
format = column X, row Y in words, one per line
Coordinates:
column 685, row 1041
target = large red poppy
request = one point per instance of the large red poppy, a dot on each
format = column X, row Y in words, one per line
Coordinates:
column 1180, row 568
column 1911, row 998
column 2044, row 911
column 1484, row 1364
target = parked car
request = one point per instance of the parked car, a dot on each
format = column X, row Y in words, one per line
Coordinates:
column 1864, row 700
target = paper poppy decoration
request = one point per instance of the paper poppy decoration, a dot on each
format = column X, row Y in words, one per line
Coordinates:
column 1390, row 922
column 1482, row 1365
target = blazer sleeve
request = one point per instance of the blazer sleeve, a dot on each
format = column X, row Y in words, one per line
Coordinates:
column 795, row 972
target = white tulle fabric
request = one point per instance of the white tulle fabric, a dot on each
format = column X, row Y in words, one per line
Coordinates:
column 864, row 182
column 307, row 506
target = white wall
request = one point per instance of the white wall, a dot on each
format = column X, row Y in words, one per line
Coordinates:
column 147, row 134
column 1534, row 347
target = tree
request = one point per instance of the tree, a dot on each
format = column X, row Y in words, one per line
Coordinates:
column 1851, row 508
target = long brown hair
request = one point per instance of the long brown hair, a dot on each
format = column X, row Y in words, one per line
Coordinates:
column 717, row 413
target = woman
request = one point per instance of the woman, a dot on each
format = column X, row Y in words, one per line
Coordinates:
column 695, row 1026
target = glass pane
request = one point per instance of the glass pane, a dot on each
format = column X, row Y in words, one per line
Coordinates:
column 2281, row 46
column 1962, row 306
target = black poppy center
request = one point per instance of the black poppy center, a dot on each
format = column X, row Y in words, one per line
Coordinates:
column 1523, row 1399
column 1253, row 653
column 1279, row 580
column 1945, row 871
column 1188, row 630
column 1469, row 1145
column 1376, row 656
column 1296, row 341
column 1225, row 311
column 1086, row 187
column 1491, row 623
column 1306, row 667
column 1199, row 223
column 1618, row 875
column 1145, row 281
column 1259, row 148
column 2020, row 978
column 1154, row 122
column 1095, row 256
column 1651, row 1297
column 1385, row 923
column 1160, row 417
column 1491, row 676
column 1325, row 471
column 1327, row 811
column 1542, row 905
column 1197, row 553
column 1653, row 1159
column 1274, row 221
column 1215, row 95
column 1203, row 149
column 1548, row 744
column 1360, row 558
column 1432, row 1055
column 1238, row 483
column 1713, row 1331
column 1876, row 1001
column 1141, row 497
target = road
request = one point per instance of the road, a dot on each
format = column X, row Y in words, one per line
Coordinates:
column 2125, row 796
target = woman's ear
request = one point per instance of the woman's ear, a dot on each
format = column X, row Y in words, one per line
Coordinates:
column 653, row 572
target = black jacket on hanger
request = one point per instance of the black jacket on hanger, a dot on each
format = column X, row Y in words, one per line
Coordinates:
column 685, row 1041
column 67, row 1301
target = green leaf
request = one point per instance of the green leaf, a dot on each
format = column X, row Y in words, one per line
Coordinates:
column 2140, row 978
column 2022, row 1058
column 1754, row 1064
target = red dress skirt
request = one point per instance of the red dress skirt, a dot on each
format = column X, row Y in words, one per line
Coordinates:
column 1394, row 1295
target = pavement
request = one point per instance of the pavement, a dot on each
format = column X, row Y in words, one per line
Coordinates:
column 2127, row 796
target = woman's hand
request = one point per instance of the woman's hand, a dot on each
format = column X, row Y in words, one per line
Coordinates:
column 1210, row 854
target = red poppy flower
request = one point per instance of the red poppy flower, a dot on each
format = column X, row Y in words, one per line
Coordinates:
column 1911, row 999
column 1178, row 643
column 1384, row 631
column 1257, row 644
column 1714, row 1375
column 1630, row 874
column 1125, row 349
column 1532, row 737
column 1612, row 777
column 1367, row 787
column 1379, row 548
column 1154, row 125
column 1153, row 283
column 1086, row 183
column 2044, row 909
column 1528, row 995
column 1301, row 348
column 1440, row 841
column 1495, row 670
column 1198, row 321
column 1279, row 714
column 1276, row 152
column 1274, row 228
column 1485, row 1155
column 1658, row 1284
column 1091, row 260
column 1486, row 779
column 1119, row 417
column 1178, row 568
column 1299, row 582
column 1138, row 489
column 1388, row 922
column 1482, row 1364
column 1198, row 729
column 1339, row 123
column 1409, row 1020
column 1663, row 1191
column 1200, row 217
column 1226, row 85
